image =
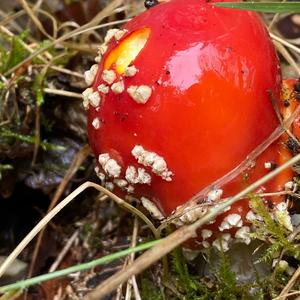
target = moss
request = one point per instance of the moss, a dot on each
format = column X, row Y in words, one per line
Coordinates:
column 12, row 50
column 38, row 88
column 188, row 284
column 271, row 231
column 149, row 290
column 224, row 286
column 11, row 136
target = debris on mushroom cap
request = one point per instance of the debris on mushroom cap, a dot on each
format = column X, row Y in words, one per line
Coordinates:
column 190, row 215
column 152, row 208
column 140, row 175
column 109, row 165
column 283, row 217
column 230, row 221
column 206, row 233
column 120, row 33
column 222, row 243
column 96, row 123
column 118, row 87
column 102, row 49
column 109, row 76
column 90, row 75
column 151, row 159
column 86, row 94
column 242, row 235
column 130, row 71
column 103, row 88
column 110, row 34
column 214, row 195
column 140, row 94
column 270, row 165
column 94, row 99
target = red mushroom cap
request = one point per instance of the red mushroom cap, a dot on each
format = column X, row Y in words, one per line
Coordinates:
column 180, row 97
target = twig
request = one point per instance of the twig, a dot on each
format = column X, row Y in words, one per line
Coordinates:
column 64, row 251
column 134, row 285
column 285, row 43
column 289, row 285
column 274, row 19
column 133, row 244
column 288, row 57
column 284, row 296
column 62, row 93
column 35, row 20
column 67, row 71
column 135, row 289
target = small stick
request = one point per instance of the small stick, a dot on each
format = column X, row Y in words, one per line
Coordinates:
column 285, row 43
column 292, row 281
column 64, row 251
column 132, row 255
column 62, row 93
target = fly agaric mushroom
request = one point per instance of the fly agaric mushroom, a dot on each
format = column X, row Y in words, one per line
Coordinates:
column 180, row 97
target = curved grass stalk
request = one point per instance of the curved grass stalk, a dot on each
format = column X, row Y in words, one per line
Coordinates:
column 81, row 267
column 15, row 253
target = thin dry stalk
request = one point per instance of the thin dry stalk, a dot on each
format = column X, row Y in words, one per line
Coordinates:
column 62, row 93
column 131, row 259
column 285, row 43
column 67, row 71
column 284, row 293
column 285, row 296
column 32, row 234
column 38, row 4
column 35, row 20
column 64, row 251
column 135, row 289
column 79, row 158
column 287, row 57
column 274, row 19
column 10, row 19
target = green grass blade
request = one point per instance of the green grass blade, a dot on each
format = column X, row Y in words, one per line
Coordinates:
column 270, row 7
column 100, row 261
